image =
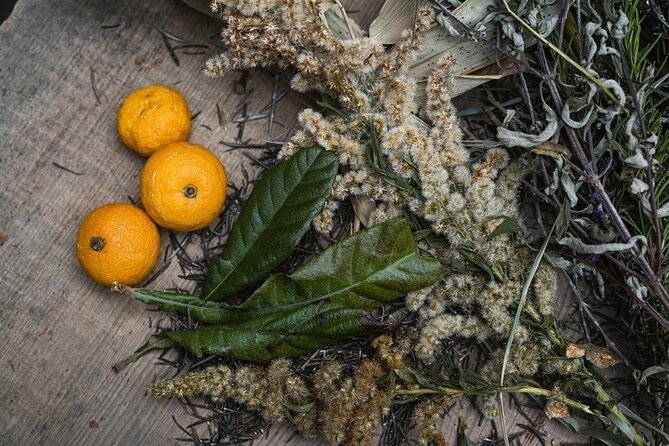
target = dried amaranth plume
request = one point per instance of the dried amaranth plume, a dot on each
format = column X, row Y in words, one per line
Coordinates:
column 344, row 406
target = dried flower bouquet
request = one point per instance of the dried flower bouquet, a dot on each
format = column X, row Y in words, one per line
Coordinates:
column 402, row 164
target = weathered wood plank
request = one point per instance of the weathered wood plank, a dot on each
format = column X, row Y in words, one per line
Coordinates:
column 61, row 332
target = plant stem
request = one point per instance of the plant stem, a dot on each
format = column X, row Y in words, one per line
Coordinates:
column 616, row 412
column 530, row 390
column 594, row 180
column 645, row 304
column 562, row 54
column 650, row 178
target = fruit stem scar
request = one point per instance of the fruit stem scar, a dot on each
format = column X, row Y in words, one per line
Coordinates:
column 190, row 191
column 97, row 243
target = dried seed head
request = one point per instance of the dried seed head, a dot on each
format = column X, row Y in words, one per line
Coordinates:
column 574, row 351
column 556, row 409
column 600, row 357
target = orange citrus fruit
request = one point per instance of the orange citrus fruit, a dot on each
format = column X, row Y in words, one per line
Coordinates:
column 118, row 242
column 152, row 117
column 182, row 187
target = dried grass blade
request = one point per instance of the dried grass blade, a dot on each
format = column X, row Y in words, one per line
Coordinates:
column 340, row 24
column 516, row 324
column 395, row 16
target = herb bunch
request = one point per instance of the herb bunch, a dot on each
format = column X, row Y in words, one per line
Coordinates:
column 603, row 175
column 399, row 156
column 602, row 79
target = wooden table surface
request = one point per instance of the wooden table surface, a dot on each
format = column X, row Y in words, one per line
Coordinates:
column 64, row 68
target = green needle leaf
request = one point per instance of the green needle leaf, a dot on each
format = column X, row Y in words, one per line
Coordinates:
column 273, row 221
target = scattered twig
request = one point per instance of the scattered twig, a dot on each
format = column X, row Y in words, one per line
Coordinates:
column 112, row 26
column 94, row 86
column 66, row 169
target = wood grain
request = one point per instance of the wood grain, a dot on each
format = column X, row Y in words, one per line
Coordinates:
column 61, row 332
column 59, row 158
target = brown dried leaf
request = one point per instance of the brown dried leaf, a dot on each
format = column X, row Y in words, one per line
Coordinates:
column 395, row 16
column 340, row 25
column 552, row 150
column 600, row 357
column 363, row 207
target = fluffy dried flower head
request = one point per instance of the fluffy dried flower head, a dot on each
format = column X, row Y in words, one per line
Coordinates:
column 556, row 409
column 426, row 415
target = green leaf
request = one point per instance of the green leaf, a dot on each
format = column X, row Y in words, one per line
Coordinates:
column 154, row 343
column 324, row 301
column 203, row 311
column 279, row 333
column 506, row 226
column 274, row 219
column 378, row 163
column 415, row 377
column 477, row 261
column 563, row 220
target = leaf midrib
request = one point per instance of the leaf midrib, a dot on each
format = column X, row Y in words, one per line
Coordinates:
column 339, row 290
column 245, row 255
column 286, row 307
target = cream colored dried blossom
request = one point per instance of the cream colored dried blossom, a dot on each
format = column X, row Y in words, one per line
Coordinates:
column 416, row 299
column 392, row 352
column 350, row 409
column 444, row 326
column 525, row 360
column 271, row 390
column 367, row 417
column 544, row 289
column 324, row 222
column 488, row 405
column 561, row 366
column 214, row 381
column 498, row 298
column 249, row 386
column 336, row 412
column 426, row 415
column 384, row 212
column 327, row 379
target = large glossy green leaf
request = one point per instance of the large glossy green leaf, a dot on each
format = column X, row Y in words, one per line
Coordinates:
column 324, row 301
column 282, row 332
column 274, row 219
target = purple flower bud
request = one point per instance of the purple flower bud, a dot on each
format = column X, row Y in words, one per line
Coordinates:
column 594, row 258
